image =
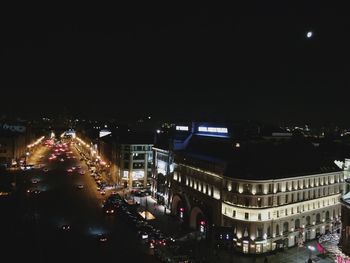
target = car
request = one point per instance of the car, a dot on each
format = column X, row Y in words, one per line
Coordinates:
column 33, row 191
column 151, row 242
column 108, row 209
column 78, row 166
column 102, row 238
column 143, row 234
column 80, row 186
column 62, row 160
column 69, row 170
column 45, row 170
column 34, row 181
column 82, row 172
column 138, row 194
column 102, row 192
column 65, row 227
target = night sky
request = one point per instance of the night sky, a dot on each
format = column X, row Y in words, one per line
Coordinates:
column 252, row 62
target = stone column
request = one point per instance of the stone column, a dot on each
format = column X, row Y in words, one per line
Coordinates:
column 145, row 171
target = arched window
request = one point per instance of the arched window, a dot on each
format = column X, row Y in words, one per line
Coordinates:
column 327, row 215
column 318, row 218
column 297, row 223
column 277, row 230
column 285, row 227
column 308, row 219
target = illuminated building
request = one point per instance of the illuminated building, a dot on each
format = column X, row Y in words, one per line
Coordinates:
column 270, row 194
column 345, row 218
column 163, row 152
column 12, row 147
column 134, row 158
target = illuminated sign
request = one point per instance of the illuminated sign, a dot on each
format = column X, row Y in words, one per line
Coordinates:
column 182, row 128
column 104, row 133
column 136, row 175
column 212, row 129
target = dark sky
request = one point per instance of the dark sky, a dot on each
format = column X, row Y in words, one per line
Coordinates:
column 240, row 62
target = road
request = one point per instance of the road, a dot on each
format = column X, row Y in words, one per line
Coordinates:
column 32, row 222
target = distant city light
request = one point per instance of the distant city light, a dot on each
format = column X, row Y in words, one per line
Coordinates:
column 309, row 34
column 158, row 131
column 212, row 129
column 182, row 128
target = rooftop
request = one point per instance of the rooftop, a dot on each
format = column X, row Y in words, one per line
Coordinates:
column 256, row 160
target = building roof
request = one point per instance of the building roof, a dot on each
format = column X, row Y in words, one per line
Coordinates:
column 257, row 160
column 135, row 138
column 166, row 139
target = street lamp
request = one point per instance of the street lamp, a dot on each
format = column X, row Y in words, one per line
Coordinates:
column 310, row 248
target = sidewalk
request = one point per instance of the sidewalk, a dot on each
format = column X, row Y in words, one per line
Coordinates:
column 163, row 221
column 172, row 226
column 291, row 255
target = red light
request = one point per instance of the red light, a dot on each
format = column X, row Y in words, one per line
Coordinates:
column 181, row 209
column 202, row 222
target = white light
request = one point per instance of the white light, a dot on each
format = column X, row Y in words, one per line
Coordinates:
column 182, row 128
column 311, row 248
column 158, row 131
column 309, row 34
column 212, row 129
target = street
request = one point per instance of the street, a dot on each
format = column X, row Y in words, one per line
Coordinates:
column 32, row 221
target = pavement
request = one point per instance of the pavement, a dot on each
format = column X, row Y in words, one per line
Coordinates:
column 163, row 221
column 291, row 255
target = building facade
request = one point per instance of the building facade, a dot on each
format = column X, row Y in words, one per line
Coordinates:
column 277, row 213
column 162, row 171
column 12, row 147
column 266, row 194
column 135, row 164
column 263, row 214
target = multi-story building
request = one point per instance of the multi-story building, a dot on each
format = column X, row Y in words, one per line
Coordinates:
column 345, row 219
column 345, row 212
column 128, row 156
column 135, row 161
column 12, row 147
column 166, row 144
column 269, row 194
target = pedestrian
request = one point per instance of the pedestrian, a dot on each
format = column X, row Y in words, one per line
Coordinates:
column 265, row 259
column 309, row 260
